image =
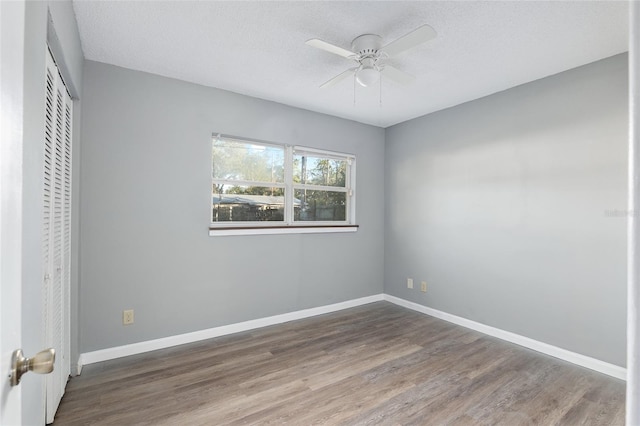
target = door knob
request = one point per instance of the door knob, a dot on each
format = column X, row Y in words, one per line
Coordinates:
column 42, row 363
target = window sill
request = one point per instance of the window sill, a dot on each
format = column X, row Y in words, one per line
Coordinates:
column 272, row 230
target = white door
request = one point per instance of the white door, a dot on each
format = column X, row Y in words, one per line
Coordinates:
column 11, row 110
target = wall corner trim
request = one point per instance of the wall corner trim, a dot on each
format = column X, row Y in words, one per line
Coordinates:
column 181, row 339
column 545, row 348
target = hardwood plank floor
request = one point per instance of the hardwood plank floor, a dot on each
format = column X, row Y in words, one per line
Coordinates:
column 377, row 364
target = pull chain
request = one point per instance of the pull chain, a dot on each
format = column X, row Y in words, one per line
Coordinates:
column 354, row 89
column 380, row 92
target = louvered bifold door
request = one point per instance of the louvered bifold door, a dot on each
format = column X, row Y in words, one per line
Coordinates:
column 57, row 231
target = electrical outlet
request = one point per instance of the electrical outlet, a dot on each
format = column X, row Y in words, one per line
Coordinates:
column 409, row 282
column 127, row 317
column 423, row 286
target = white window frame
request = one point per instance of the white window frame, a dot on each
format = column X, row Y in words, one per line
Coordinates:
column 289, row 225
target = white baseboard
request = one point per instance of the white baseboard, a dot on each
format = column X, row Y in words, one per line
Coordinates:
column 563, row 354
column 166, row 342
column 180, row 339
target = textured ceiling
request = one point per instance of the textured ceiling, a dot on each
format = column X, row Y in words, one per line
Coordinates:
column 257, row 48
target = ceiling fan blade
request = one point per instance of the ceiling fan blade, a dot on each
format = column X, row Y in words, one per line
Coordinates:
column 338, row 78
column 414, row 38
column 396, row 75
column 314, row 42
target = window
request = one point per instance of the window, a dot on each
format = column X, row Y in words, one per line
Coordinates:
column 265, row 186
column 320, row 187
column 248, row 182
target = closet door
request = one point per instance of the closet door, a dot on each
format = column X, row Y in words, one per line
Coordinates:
column 56, row 248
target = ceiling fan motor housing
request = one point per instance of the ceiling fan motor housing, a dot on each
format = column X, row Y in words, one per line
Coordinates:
column 367, row 45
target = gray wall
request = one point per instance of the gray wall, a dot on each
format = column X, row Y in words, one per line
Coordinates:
column 145, row 201
column 500, row 205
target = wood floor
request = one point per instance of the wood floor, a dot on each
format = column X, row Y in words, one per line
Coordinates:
column 375, row 364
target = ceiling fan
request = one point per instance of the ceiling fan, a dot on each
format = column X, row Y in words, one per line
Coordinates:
column 367, row 50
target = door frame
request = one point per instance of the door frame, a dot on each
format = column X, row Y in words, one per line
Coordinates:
column 633, row 232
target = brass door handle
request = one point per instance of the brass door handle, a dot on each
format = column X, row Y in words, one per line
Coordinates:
column 42, row 363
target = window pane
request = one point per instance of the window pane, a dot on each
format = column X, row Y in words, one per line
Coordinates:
column 311, row 205
column 233, row 160
column 319, row 171
column 247, row 204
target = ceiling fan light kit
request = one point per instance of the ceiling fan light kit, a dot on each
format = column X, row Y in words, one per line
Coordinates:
column 367, row 50
column 367, row 76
